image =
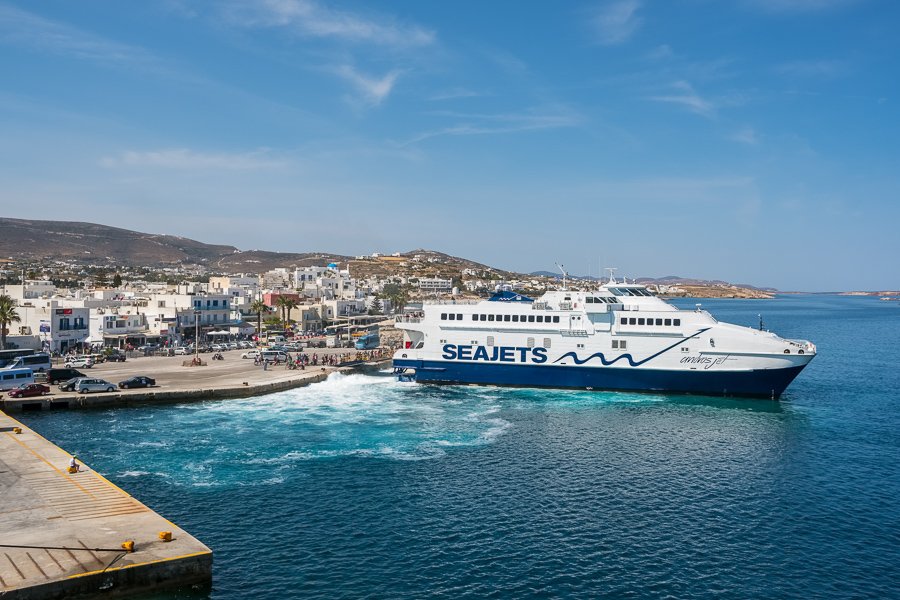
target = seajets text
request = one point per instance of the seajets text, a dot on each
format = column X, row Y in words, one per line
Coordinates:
column 494, row 353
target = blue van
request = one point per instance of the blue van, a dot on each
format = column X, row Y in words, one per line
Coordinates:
column 12, row 378
column 39, row 362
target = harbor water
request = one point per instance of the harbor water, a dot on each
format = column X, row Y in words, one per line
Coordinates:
column 364, row 487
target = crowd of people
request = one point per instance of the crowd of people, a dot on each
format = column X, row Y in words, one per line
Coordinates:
column 301, row 360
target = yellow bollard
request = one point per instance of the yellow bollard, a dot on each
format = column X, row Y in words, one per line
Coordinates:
column 17, row 430
column 165, row 536
column 128, row 546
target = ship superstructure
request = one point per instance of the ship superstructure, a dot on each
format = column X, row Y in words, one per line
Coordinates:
column 618, row 337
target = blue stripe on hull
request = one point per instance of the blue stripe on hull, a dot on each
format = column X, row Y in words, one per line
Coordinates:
column 764, row 383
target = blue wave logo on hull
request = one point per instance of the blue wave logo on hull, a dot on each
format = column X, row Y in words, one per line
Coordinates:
column 606, row 362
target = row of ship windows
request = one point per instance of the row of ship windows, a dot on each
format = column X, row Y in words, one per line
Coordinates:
column 507, row 318
column 598, row 300
column 642, row 321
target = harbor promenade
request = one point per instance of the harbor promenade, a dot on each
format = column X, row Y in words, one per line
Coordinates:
column 62, row 533
column 232, row 377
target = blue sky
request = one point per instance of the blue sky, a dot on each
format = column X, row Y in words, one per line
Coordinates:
column 749, row 140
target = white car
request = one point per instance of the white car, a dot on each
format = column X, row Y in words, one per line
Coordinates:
column 250, row 354
column 80, row 362
column 182, row 351
column 88, row 384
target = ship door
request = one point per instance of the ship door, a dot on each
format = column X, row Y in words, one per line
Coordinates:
column 575, row 322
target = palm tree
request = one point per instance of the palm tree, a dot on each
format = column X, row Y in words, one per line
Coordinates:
column 289, row 305
column 8, row 315
column 259, row 307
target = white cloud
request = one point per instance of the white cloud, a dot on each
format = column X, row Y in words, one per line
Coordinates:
column 486, row 124
column 690, row 99
column 309, row 18
column 374, row 90
column 745, row 135
column 798, row 5
column 454, row 93
column 617, row 21
column 22, row 28
column 813, row 68
column 182, row 158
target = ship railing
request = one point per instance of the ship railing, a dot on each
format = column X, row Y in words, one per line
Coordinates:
column 573, row 332
column 804, row 345
column 408, row 319
column 451, row 301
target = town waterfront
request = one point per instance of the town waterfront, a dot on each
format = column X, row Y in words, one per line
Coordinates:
column 361, row 486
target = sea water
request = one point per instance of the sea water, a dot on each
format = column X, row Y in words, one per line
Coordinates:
column 365, row 487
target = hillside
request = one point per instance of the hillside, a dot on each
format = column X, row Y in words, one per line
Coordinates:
column 100, row 245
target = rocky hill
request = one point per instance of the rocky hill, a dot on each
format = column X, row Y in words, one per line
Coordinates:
column 101, row 245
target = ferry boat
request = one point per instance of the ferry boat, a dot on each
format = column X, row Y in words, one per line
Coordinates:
column 619, row 337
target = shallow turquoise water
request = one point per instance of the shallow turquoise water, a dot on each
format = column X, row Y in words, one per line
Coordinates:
column 365, row 487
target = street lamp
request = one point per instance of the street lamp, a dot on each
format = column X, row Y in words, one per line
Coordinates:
column 197, row 337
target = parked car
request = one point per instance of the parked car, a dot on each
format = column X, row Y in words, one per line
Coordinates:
column 88, row 384
column 182, row 351
column 55, row 376
column 245, row 344
column 80, row 362
column 69, row 385
column 116, row 357
column 138, row 381
column 29, row 390
column 254, row 354
column 218, row 348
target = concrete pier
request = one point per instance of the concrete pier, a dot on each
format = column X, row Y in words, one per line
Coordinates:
column 230, row 378
column 62, row 533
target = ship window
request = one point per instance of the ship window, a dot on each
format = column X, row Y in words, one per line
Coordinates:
column 490, row 317
column 615, row 344
column 474, row 317
column 531, row 318
column 622, row 344
column 668, row 322
column 676, row 322
column 712, row 342
column 506, row 317
column 490, row 340
column 459, row 316
column 659, row 321
column 556, row 318
column 632, row 321
column 540, row 318
column 515, row 318
column 546, row 342
column 624, row 321
column 452, row 317
column 589, row 300
column 443, row 316
column 530, row 342
column 641, row 321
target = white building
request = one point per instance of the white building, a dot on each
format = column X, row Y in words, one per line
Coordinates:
column 435, row 285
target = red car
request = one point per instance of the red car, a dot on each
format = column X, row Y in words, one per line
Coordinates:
column 26, row 391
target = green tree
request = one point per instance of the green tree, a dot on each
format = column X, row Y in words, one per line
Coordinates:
column 259, row 307
column 117, row 281
column 101, row 279
column 289, row 305
column 376, row 307
column 8, row 315
column 397, row 294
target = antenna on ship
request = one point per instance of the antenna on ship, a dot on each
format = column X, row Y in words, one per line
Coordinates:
column 612, row 274
column 761, row 325
column 565, row 275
